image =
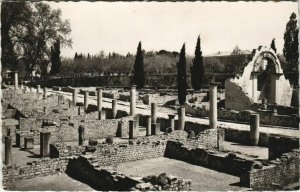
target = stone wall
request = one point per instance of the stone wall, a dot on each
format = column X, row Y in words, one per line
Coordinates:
column 280, row 172
column 207, row 139
column 208, row 158
column 38, row 168
column 279, row 145
column 84, row 169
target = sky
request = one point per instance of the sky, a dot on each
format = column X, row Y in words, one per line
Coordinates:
column 119, row 26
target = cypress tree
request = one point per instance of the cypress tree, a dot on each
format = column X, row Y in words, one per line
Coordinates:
column 197, row 68
column 55, row 58
column 273, row 45
column 138, row 76
column 181, row 77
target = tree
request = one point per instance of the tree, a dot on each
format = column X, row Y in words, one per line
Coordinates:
column 290, row 48
column 76, row 56
column 238, row 61
column 14, row 16
column 273, row 45
column 55, row 58
column 181, row 77
column 138, row 76
column 33, row 39
column 197, row 68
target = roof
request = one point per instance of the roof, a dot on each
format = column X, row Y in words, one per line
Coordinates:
column 227, row 53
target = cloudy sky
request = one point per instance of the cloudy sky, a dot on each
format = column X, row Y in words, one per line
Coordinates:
column 119, row 26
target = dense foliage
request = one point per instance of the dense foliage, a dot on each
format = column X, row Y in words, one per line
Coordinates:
column 197, row 68
column 181, row 77
column 290, row 49
column 55, row 58
column 138, row 71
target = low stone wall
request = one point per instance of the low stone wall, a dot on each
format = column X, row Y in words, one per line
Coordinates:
column 244, row 116
column 279, row 145
column 58, row 150
column 207, row 139
column 208, row 158
column 282, row 171
column 84, row 169
column 38, row 168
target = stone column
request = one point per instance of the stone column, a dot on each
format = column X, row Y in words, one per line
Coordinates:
column 155, row 128
column 221, row 139
column 102, row 115
column 137, row 119
column 172, row 121
column 16, row 81
column 154, row 112
column 132, row 129
column 181, row 117
column 38, row 89
column 99, row 98
column 213, row 112
column 132, row 100
column 45, row 92
column 81, row 135
column 114, row 108
column 254, row 86
column 86, row 100
column 8, row 150
column 22, row 87
column 74, row 96
column 44, row 144
column 148, row 128
column 80, row 110
column 254, row 129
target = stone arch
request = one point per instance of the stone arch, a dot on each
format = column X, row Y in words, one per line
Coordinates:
column 267, row 55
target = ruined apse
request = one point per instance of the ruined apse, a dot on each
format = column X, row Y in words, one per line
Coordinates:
column 262, row 79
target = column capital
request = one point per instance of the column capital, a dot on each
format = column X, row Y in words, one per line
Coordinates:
column 99, row 88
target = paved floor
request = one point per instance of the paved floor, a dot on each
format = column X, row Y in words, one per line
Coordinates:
column 203, row 179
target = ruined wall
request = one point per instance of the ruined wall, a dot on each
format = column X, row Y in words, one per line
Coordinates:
column 279, row 145
column 241, row 88
column 282, row 171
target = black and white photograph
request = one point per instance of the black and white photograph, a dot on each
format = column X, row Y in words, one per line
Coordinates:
column 150, row 95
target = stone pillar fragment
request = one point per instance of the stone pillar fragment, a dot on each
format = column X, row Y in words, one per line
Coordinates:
column 102, row 115
column 154, row 112
column 22, row 87
column 114, row 108
column 172, row 121
column 99, row 98
column 86, row 100
column 8, row 150
column 45, row 92
column 254, row 129
column 137, row 119
column 80, row 110
column 132, row 100
column 74, row 96
column 38, row 89
column 16, row 80
column 148, row 128
column 132, row 129
column 181, row 117
column 213, row 113
column 155, row 128
column 81, row 135
column 44, row 144
column 31, row 89
column 221, row 139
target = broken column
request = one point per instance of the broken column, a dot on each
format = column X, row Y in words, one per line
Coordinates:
column 221, row 139
column 132, row 100
column 132, row 129
column 44, row 144
column 155, row 128
column 81, row 135
column 80, row 110
column 148, row 128
column 99, row 98
column 213, row 113
column 114, row 108
column 38, row 89
column 45, row 92
column 31, row 89
column 102, row 115
column 16, row 80
column 172, row 121
column 181, row 117
column 254, row 129
column 154, row 112
column 22, row 87
column 8, row 150
column 86, row 100
column 74, row 96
